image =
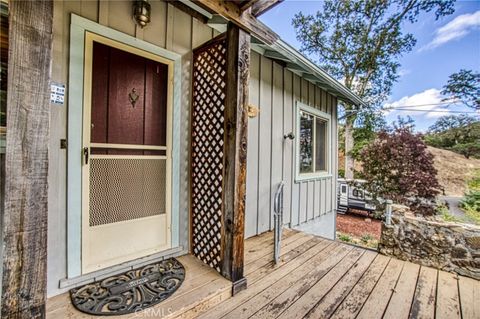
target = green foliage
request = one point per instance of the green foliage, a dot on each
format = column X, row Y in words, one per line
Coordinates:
column 471, row 201
column 458, row 133
column 468, row 149
column 444, row 212
column 464, row 86
column 398, row 166
column 366, row 238
column 360, row 43
column 344, row 237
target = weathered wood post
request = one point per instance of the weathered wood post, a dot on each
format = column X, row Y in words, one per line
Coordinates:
column 26, row 162
column 236, row 120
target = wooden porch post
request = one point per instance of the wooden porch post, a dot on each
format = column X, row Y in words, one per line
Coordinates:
column 236, row 120
column 26, row 163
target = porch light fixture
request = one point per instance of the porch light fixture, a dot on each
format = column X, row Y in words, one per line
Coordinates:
column 141, row 12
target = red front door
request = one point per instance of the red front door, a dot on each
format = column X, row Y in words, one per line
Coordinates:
column 126, row 160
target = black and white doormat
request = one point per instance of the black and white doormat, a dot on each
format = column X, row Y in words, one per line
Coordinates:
column 130, row 292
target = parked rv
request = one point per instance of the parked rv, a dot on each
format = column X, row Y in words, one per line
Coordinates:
column 352, row 195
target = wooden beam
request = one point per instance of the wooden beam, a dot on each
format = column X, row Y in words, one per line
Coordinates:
column 26, row 165
column 244, row 5
column 275, row 55
column 244, row 20
column 235, row 160
column 263, row 6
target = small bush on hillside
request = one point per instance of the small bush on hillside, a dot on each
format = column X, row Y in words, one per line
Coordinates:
column 398, row 166
column 471, row 201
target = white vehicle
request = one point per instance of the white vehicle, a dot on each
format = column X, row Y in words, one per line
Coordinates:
column 351, row 195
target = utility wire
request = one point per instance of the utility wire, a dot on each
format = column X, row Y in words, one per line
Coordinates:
column 432, row 111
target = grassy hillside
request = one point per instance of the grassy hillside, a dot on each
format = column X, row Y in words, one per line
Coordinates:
column 454, row 170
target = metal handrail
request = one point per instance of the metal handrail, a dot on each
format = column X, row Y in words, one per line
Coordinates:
column 278, row 220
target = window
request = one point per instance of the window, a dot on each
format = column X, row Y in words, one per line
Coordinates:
column 313, row 142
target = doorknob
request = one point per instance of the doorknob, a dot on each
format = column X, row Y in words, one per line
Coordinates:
column 86, row 152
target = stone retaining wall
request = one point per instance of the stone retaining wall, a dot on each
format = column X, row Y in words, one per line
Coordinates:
column 444, row 245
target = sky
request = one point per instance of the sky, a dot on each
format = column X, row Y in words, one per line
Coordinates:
column 444, row 46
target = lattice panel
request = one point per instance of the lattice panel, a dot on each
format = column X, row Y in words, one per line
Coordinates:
column 208, row 105
column 124, row 189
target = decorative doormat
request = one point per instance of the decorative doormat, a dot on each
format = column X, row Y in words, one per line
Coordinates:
column 132, row 291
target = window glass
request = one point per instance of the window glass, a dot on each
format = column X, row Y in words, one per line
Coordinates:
column 306, row 143
column 320, row 145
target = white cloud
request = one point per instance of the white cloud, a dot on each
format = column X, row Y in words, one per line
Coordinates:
column 455, row 29
column 426, row 101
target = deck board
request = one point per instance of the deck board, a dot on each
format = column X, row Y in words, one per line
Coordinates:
column 469, row 290
column 327, row 306
column 423, row 305
column 448, row 302
column 401, row 301
column 314, row 278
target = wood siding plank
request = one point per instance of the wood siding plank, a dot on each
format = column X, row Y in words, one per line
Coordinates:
column 295, row 185
column 264, row 144
column 251, row 213
column 277, row 134
column 288, row 145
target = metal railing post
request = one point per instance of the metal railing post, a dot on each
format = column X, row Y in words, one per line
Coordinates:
column 278, row 220
column 388, row 212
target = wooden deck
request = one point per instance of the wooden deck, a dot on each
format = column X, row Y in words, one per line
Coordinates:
column 316, row 278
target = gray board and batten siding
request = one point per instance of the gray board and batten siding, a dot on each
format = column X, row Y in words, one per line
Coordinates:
column 273, row 88
column 271, row 158
column 171, row 29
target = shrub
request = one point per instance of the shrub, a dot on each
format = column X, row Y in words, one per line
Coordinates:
column 398, row 166
column 471, row 201
column 345, row 238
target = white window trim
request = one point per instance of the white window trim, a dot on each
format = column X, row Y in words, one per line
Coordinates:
column 299, row 177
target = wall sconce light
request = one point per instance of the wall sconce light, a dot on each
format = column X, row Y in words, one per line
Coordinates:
column 252, row 111
column 141, row 12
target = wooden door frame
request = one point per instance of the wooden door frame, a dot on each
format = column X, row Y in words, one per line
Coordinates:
column 78, row 31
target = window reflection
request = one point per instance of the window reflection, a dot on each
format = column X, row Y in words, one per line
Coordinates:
column 306, row 143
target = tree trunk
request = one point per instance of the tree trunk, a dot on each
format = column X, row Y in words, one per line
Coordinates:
column 349, row 142
column 24, row 275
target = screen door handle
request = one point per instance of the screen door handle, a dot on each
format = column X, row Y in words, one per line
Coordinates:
column 86, row 153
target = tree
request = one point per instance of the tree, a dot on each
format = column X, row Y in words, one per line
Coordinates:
column 360, row 42
column 464, row 86
column 459, row 133
column 398, row 166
